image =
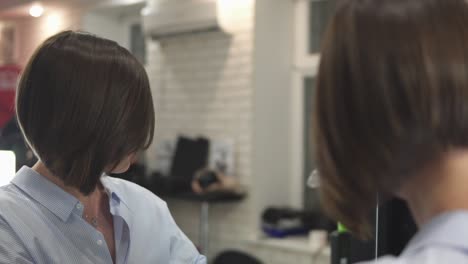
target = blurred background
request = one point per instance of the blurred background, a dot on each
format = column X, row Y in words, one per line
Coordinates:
column 233, row 84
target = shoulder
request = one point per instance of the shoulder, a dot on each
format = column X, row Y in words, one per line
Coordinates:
column 436, row 254
column 13, row 201
column 430, row 255
column 15, row 210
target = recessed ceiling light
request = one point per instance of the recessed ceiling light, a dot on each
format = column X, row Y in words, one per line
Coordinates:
column 36, row 10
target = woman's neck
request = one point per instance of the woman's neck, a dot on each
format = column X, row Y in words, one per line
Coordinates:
column 442, row 189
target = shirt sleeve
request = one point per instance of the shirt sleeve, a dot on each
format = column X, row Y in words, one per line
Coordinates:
column 182, row 250
column 12, row 250
column 433, row 254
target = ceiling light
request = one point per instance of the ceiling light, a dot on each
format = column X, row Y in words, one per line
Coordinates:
column 36, row 10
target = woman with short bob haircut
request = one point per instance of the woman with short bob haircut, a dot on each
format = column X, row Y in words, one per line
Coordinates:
column 85, row 108
column 391, row 119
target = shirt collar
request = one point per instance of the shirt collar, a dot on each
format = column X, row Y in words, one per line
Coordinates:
column 45, row 192
column 55, row 199
column 449, row 229
column 114, row 190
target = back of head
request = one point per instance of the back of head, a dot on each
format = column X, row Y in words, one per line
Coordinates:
column 83, row 104
column 392, row 98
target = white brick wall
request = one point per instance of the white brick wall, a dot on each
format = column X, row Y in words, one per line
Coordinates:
column 203, row 85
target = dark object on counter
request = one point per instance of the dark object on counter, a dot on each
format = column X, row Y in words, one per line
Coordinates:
column 207, row 178
column 282, row 222
column 190, row 156
column 211, row 181
column 235, row 257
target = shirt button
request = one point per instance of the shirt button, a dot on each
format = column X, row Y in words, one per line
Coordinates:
column 79, row 206
column 99, row 242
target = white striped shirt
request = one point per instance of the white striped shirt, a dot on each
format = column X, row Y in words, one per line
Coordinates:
column 41, row 223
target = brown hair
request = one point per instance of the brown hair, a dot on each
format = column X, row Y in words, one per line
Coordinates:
column 84, row 103
column 392, row 98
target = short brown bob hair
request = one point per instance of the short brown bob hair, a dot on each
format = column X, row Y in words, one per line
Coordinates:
column 83, row 104
column 391, row 100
